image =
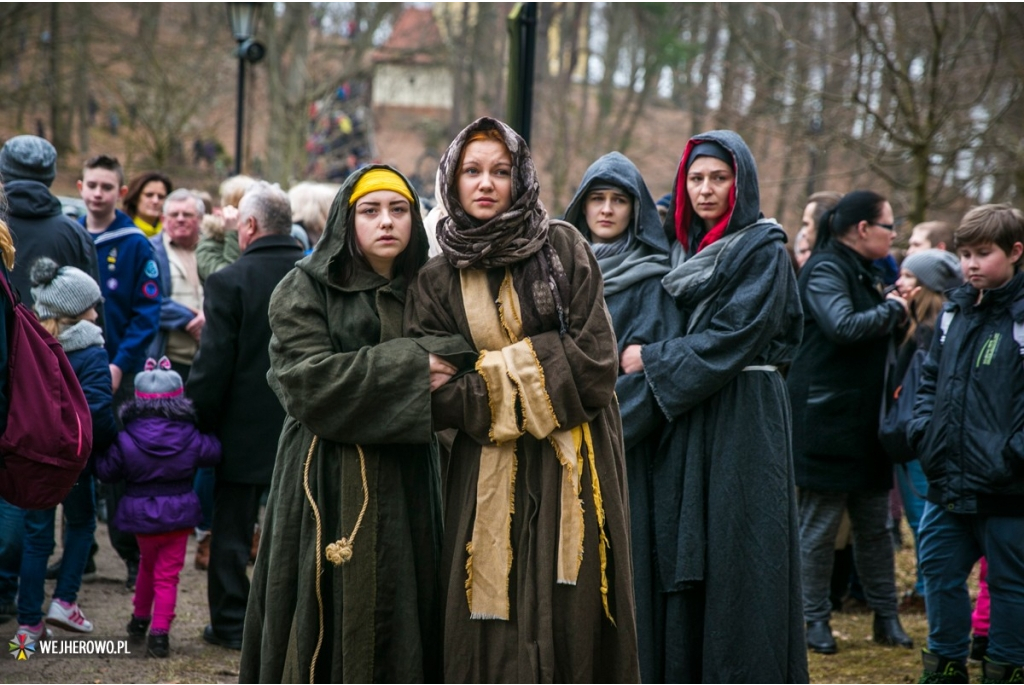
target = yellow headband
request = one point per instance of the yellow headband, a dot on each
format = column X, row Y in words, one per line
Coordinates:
column 380, row 179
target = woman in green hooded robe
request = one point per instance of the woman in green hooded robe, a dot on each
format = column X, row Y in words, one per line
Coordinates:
column 345, row 588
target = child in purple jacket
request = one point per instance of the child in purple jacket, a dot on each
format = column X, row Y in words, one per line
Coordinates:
column 157, row 455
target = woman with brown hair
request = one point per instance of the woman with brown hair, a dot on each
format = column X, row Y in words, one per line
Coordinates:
column 836, row 386
column 144, row 201
column 924, row 276
column 535, row 561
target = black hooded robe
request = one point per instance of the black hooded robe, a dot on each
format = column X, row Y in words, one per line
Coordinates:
column 642, row 312
column 726, row 547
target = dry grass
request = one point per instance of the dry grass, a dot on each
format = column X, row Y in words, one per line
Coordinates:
column 860, row 660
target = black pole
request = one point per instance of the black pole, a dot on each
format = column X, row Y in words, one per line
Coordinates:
column 241, row 113
column 522, row 30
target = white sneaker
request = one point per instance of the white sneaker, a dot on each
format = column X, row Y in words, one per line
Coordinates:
column 34, row 633
column 68, row 617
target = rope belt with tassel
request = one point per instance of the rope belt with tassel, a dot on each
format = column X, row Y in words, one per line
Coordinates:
column 337, row 552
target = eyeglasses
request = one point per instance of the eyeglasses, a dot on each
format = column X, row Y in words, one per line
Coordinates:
column 888, row 227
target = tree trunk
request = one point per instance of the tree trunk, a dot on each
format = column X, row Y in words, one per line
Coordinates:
column 82, row 16
column 59, row 134
column 699, row 104
column 287, row 50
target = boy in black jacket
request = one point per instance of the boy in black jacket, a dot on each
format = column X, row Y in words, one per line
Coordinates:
column 968, row 430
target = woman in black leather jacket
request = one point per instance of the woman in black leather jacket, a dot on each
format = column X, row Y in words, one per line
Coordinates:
column 835, row 386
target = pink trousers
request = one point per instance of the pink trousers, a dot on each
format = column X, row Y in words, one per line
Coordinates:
column 983, row 608
column 161, row 558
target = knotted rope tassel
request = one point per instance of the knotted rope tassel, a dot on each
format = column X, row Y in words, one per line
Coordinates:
column 337, row 552
column 341, row 551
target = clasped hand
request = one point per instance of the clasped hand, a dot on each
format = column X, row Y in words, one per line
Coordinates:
column 440, row 372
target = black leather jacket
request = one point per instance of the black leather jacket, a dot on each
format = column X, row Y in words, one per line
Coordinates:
column 836, row 381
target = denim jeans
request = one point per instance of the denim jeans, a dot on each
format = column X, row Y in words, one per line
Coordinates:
column 80, row 516
column 12, row 532
column 950, row 546
column 912, row 481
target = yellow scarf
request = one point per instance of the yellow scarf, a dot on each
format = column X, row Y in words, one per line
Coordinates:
column 512, row 372
column 149, row 229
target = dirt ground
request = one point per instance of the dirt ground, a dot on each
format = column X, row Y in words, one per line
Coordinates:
column 108, row 605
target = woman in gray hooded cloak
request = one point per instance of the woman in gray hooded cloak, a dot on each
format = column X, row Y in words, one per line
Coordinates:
column 725, row 550
column 615, row 212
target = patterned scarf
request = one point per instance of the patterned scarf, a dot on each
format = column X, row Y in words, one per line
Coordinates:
column 516, row 238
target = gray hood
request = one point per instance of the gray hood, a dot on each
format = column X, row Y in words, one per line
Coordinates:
column 648, row 256
column 616, row 168
column 746, row 210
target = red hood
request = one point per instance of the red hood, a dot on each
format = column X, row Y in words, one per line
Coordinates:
column 684, row 211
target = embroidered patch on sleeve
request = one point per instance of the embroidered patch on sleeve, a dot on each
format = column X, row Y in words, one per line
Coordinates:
column 150, row 290
column 151, row 269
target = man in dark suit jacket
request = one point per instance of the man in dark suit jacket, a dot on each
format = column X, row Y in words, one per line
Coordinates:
column 228, row 384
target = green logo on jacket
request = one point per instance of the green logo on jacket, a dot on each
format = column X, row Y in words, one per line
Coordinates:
column 988, row 350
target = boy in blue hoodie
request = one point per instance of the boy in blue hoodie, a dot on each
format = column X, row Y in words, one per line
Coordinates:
column 129, row 280
column 968, row 432
column 128, row 273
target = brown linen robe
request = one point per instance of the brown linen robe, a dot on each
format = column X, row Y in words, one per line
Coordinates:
column 555, row 632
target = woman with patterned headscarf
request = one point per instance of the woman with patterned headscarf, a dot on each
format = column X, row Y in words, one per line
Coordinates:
column 535, row 560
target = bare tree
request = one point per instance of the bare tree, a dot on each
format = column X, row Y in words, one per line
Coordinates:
column 924, row 77
column 288, row 45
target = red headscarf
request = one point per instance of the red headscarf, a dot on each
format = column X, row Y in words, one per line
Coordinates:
column 684, row 210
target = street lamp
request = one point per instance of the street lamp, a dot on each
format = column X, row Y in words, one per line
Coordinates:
column 244, row 16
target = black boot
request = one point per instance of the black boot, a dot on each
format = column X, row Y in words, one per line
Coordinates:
column 979, row 647
column 159, row 646
column 8, row 611
column 819, row 638
column 889, row 632
column 137, row 628
column 133, row 574
column 997, row 672
column 53, row 570
column 941, row 669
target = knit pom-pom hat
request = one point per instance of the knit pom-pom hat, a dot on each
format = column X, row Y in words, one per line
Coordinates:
column 158, row 381
column 62, row 291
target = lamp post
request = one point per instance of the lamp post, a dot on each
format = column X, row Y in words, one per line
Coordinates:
column 522, row 28
column 243, row 17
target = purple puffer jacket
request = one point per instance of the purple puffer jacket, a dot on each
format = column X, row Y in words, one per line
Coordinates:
column 158, row 459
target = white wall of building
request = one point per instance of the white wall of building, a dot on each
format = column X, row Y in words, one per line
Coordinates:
column 399, row 85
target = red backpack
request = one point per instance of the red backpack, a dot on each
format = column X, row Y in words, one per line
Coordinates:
column 49, row 428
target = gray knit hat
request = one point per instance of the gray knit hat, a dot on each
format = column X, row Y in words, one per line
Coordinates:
column 28, row 158
column 158, row 381
column 936, row 270
column 62, row 291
